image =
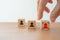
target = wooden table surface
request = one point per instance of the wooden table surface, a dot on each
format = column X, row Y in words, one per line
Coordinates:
column 10, row 31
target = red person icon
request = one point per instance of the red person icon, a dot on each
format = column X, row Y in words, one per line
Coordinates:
column 45, row 25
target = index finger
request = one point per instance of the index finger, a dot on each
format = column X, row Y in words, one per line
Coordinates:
column 42, row 4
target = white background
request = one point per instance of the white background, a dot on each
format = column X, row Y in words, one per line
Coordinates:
column 12, row 10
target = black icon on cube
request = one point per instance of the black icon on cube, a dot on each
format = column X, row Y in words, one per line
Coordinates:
column 31, row 25
column 21, row 22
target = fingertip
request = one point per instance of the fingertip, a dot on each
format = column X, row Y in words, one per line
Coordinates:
column 52, row 18
column 39, row 17
column 47, row 10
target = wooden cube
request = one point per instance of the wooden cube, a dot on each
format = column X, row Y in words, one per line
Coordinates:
column 31, row 24
column 21, row 22
column 45, row 25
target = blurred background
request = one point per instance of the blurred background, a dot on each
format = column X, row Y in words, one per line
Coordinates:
column 12, row 10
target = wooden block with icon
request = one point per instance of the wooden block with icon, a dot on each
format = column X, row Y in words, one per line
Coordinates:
column 31, row 24
column 45, row 25
column 21, row 22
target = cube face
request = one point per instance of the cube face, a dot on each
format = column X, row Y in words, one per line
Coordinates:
column 31, row 24
column 21, row 22
column 45, row 25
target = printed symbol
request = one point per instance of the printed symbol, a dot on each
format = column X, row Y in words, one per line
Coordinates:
column 31, row 25
column 21, row 22
column 45, row 25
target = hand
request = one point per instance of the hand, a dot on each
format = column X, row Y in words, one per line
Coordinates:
column 42, row 6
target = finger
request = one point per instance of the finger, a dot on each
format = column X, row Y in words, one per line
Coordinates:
column 47, row 10
column 50, row 1
column 41, row 8
column 55, row 13
column 39, row 14
column 38, row 4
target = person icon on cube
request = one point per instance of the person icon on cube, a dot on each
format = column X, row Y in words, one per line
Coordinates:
column 45, row 25
column 31, row 25
column 21, row 22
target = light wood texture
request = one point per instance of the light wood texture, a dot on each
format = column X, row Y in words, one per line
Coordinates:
column 21, row 21
column 31, row 24
column 10, row 31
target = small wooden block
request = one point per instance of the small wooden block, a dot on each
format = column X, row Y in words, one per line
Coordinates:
column 45, row 25
column 21, row 22
column 31, row 24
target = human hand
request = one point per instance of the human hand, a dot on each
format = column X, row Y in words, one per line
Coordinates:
column 42, row 6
